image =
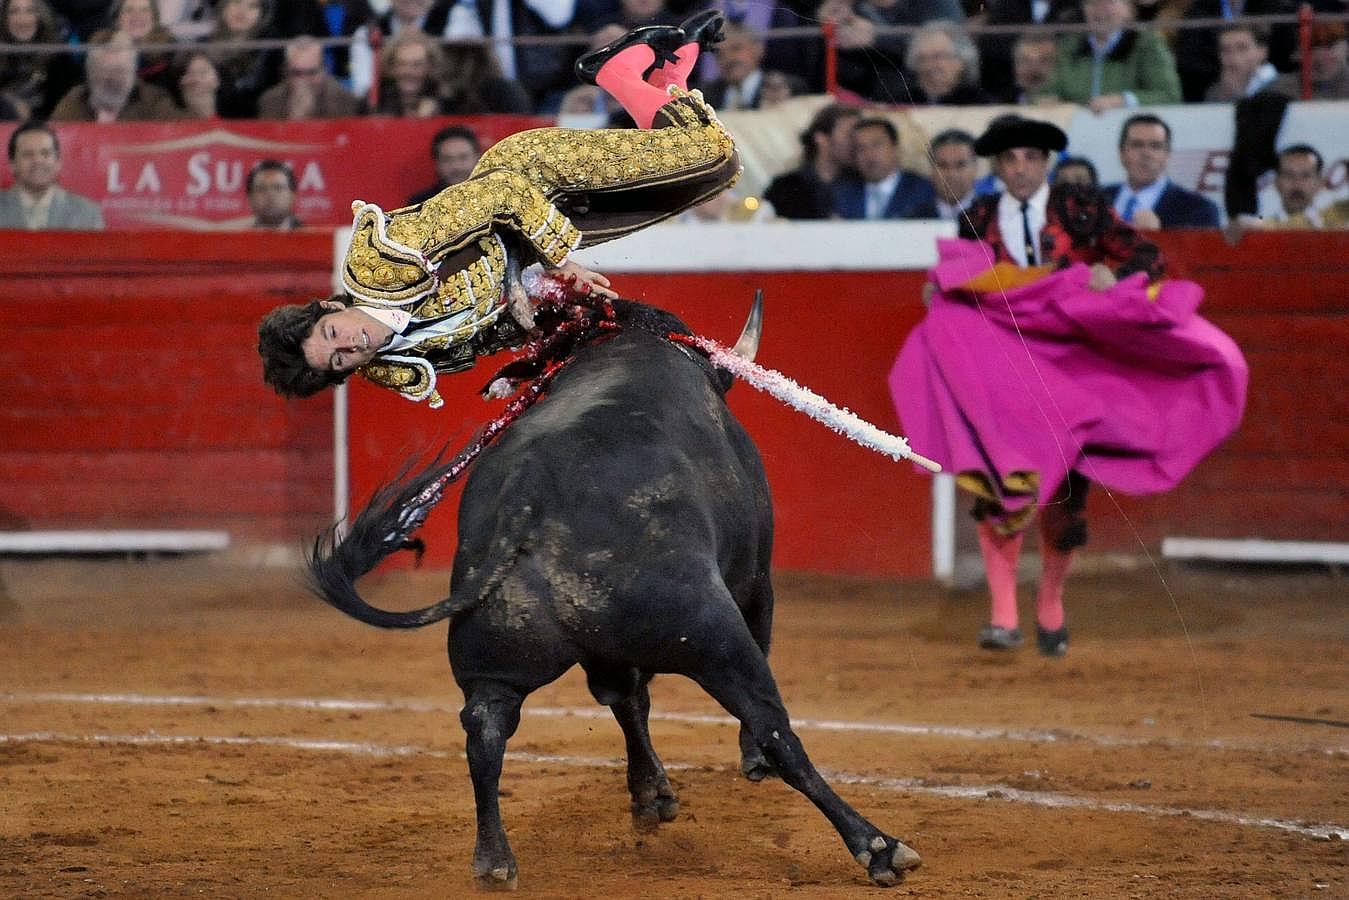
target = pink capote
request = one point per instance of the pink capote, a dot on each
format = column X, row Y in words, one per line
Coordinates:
column 1053, row 376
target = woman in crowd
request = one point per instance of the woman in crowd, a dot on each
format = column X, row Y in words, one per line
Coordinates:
column 33, row 82
column 189, row 20
column 945, row 66
column 413, row 67
column 139, row 20
column 198, row 85
column 871, row 63
column 424, row 78
column 244, row 74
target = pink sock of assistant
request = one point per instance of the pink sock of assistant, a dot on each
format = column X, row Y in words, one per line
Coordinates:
column 677, row 73
column 1049, row 601
column 1000, row 557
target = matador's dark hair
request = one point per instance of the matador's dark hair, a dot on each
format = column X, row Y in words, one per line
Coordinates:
column 280, row 335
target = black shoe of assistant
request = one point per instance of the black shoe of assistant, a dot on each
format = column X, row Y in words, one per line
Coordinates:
column 995, row 637
column 660, row 38
column 1052, row 643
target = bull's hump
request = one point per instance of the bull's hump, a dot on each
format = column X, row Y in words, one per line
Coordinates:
column 634, row 374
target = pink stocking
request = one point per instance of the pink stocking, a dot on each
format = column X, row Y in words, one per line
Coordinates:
column 1000, row 557
column 677, row 73
column 621, row 76
column 1053, row 571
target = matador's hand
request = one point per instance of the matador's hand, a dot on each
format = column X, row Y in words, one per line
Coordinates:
column 1102, row 279
column 583, row 280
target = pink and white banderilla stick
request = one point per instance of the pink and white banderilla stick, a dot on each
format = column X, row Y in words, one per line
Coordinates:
column 775, row 384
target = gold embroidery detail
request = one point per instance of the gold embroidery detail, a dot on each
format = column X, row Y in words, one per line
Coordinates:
column 401, row 377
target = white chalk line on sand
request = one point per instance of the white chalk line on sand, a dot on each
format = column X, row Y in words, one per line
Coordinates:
column 1047, row 799
column 973, row 733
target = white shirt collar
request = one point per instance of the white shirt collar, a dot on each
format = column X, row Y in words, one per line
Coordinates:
column 951, row 211
column 750, row 86
column 1102, row 48
column 877, row 194
column 1009, row 222
column 1147, row 195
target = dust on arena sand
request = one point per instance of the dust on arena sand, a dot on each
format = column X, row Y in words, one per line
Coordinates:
column 1132, row 768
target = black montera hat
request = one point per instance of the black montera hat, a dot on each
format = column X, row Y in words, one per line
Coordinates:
column 1006, row 132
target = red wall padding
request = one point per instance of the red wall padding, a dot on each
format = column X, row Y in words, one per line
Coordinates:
column 132, row 389
column 133, row 397
column 838, row 507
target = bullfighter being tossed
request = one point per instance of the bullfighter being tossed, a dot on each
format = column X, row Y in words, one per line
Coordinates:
column 429, row 288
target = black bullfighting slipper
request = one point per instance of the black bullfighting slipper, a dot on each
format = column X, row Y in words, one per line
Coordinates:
column 995, row 637
column 662, row 39
column 1052, row 643
column 707, row 28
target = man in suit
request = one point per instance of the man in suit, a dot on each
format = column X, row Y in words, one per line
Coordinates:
column 36, row 201
column 271, row 195
column 807, row 192
column 112, row 92
column 308, row 91
column 880, row 189
column 739, row 59
column 455, row 150
column 1144, row 151
column 1148, row 199
column 955, row 167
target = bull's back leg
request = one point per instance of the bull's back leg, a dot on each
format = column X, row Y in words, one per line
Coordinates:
column 725, row 660
column 758, row 614
column 653, row 800
column 490, row 716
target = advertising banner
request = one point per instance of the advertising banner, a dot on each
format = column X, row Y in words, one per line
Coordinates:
column 193, row 174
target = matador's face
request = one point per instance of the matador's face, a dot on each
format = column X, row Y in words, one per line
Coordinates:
column 344, row 340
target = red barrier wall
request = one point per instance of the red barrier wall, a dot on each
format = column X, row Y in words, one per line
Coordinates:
column 132, row 394
column 839, row 507
column 133, row 398
column 1283, row 297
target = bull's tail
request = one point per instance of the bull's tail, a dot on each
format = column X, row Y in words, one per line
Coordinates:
column 382, row 528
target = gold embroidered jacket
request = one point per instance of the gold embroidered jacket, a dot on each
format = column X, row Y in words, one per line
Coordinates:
column 539, row 194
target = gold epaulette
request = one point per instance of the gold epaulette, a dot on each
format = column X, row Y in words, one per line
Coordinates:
column 379, row 269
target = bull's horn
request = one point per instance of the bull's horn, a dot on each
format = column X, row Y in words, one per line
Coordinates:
column 748, row 345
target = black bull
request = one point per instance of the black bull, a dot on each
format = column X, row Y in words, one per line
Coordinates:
column 623, row 523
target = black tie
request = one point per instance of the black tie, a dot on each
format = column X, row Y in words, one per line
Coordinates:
column 1025, row 230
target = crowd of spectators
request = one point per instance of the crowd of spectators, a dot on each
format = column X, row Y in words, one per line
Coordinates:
column 144, row 60
column 851, row 169
column 451, row 56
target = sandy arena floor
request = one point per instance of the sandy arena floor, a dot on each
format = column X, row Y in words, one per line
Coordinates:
column 178, row 728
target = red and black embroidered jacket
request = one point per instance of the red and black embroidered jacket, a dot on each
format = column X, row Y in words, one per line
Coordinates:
column 1080, row 226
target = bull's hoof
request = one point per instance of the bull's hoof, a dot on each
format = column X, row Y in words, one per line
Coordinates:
column 648, row 815
column 887, row 860
column 755, row 766
column 497, row 880
column 503, row 876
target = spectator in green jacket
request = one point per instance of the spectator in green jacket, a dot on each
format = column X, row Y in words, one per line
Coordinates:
column 1113, row 65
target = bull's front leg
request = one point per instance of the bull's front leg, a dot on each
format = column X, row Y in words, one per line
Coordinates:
column 490, row 716
column 653, row 800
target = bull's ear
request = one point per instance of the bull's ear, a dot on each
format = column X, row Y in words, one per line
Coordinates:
column 748, row 344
